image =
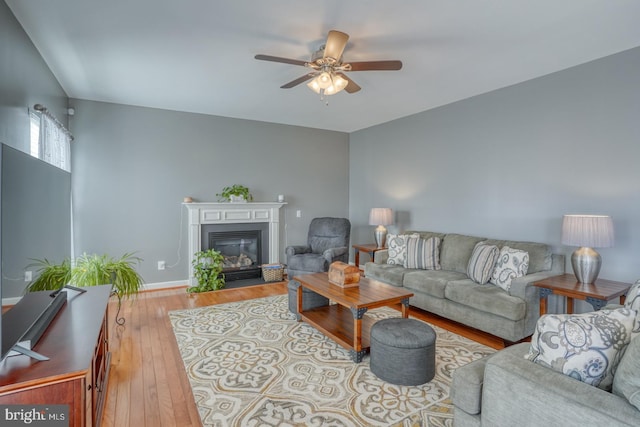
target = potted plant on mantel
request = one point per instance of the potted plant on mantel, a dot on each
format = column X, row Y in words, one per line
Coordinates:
column 235, row 193
column 207, row 269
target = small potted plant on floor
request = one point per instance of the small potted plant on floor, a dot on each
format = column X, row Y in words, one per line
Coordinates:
column 207, row 269
column 235, row 193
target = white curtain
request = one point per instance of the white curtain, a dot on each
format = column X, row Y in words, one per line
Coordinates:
column 54, row 142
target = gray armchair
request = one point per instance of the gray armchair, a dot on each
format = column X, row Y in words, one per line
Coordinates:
column 327, row 241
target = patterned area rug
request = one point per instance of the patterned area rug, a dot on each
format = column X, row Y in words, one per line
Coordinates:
column 251, row 364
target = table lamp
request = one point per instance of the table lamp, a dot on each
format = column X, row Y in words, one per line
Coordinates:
column 587, row 232
column 380, row 217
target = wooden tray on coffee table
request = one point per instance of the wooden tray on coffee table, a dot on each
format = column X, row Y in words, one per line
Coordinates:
column 345, row 322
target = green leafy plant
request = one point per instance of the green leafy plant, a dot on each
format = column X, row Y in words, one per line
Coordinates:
column 234, row 190
column 89, row 270
column 207, row 269
column 49, row 276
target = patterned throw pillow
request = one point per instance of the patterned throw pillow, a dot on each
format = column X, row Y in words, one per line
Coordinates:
column 583, row 346
column 423, row 253
column 482, row 262
column 511, row 263
column 397, row 246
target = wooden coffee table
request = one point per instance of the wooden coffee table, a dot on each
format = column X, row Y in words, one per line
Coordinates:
column 345, row 322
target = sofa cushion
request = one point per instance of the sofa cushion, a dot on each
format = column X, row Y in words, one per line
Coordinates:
column 511, row 264
column 397, row 248
column 490, row 299
column 540, row 256
column 583, row 346
column 626, row 382
column 456, row 250
column 466, row 386
column 388, row 273
column 423, row 254
column 482, row 262
column 431, row 282
column 633, row 302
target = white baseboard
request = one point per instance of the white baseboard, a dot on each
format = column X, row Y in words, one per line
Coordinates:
column 10, row 301
column 165, row 285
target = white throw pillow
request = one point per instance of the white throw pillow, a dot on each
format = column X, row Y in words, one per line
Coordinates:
column 423, row 253
column 482, row 262
column 511, row 263
column 585, row 346
column 397, row 248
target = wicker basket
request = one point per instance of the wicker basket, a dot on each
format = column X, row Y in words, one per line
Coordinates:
column 273, row 272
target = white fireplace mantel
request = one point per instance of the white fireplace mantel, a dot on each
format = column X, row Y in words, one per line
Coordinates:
column 232, row 213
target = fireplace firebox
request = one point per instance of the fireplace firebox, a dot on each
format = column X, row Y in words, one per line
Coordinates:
column 243, row 247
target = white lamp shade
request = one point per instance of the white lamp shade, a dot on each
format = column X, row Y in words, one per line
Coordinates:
column 593, row 231
column 381, row 216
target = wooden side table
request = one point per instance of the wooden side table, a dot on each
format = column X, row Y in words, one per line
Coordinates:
column 370, row 248
column 597, row 294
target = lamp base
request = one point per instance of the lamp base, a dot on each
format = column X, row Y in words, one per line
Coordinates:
column 586, row 264
column 380, row 234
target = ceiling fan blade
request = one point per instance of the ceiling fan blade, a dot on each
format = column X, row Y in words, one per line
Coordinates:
column 279, row 59
column 376, row 65
column 352, row 86
column 336, row 42
column 297, row 81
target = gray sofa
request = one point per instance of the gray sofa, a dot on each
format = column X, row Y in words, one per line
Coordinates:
column 505, row 389
column 451, row 294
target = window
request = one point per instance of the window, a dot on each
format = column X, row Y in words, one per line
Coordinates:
column 50, row 140
column 35, row 135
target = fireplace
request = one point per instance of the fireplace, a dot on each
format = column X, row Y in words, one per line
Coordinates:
column 206, row 216
column 241, row 246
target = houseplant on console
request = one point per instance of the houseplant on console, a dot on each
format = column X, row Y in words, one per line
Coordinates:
column 207, row 269
column 235, row 193
column 90, row 270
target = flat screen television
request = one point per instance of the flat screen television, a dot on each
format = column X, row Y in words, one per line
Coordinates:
column 35, row 223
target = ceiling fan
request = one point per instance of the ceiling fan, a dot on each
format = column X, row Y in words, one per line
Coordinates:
column 328, row 69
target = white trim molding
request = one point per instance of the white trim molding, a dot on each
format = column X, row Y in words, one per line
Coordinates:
column 233, row 213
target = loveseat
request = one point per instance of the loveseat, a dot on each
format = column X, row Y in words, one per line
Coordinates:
column 448, row 291
column 579, row 369
column 505, row 389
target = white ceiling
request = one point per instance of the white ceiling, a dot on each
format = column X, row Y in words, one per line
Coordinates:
column 198, row 55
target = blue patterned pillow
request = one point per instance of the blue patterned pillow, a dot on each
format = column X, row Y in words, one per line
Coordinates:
column 482, row 262
column 585, row 346
column 423, row 253
column 511, row 263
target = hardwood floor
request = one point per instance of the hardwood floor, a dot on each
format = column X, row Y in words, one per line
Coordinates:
column 147, row 383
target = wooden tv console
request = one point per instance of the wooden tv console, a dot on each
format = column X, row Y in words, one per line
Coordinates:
column 77, row 344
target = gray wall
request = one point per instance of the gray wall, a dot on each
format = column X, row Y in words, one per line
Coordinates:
column 25, row 80
column 133, row 166
column 510, row 163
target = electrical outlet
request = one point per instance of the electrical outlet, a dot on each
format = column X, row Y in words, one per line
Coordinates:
column 28, row 276
column 161, row 265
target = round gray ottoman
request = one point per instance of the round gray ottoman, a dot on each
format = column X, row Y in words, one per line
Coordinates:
column 310, row 299
column 403, row 351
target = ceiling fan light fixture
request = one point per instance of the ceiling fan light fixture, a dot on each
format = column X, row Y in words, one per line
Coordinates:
column 335, row 84
column 324, row 80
